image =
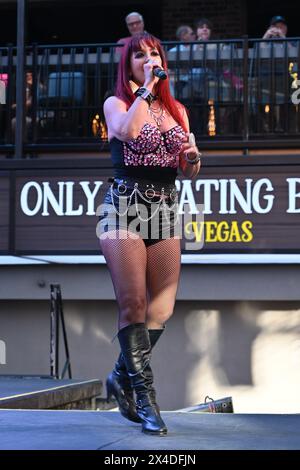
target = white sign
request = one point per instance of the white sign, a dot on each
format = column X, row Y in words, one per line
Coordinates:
column 2, row 352
column 2, row 92
column 256, row 197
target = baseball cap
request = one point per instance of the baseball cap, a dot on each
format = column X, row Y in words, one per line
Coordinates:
column 278, row 19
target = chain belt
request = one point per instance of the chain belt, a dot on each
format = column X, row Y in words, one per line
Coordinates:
column 147, row 192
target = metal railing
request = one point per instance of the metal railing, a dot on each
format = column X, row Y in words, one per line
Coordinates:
column 238, row 93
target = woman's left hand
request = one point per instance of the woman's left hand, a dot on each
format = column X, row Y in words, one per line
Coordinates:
column 189, row 150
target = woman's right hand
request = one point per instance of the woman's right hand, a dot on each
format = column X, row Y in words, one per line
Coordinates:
column 150, row 79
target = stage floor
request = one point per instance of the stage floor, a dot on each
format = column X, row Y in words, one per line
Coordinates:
column 108, row 430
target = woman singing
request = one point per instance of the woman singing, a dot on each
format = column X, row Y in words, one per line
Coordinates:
column 148, row 131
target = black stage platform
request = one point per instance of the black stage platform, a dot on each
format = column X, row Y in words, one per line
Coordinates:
column 35, row 392
column 107, row 430
column 44, row 413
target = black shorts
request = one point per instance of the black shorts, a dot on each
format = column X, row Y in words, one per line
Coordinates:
column 147, row 210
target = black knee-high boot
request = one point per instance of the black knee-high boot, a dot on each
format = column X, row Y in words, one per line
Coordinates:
column 118, row 383
column 136, row 350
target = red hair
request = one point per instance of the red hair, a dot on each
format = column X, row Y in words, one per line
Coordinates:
column 123, row 89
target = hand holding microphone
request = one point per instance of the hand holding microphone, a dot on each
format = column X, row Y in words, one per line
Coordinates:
column 153, row 69
column 159, row 72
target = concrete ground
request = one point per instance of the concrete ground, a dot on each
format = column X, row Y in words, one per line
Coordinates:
column 108, row 430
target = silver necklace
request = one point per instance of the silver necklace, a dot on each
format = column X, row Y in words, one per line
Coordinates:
column 157, row 114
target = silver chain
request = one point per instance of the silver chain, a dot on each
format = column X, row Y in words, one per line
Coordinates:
column 157, row 119
column 137, row 192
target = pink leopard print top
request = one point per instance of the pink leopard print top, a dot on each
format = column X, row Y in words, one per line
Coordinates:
column 153, row 155
column 154, row 148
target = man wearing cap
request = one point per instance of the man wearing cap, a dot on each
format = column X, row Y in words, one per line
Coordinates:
column 277, row 29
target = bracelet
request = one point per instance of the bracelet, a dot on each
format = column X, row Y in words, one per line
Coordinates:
column 145, row 94
column 194, row 161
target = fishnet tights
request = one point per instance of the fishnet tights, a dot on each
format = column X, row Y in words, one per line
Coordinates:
column 145, row 278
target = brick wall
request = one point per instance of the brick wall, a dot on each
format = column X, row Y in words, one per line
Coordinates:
column 228, row 16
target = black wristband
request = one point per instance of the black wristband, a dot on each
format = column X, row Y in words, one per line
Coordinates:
column 146, row 95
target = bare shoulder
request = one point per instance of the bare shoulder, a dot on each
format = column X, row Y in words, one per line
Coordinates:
column 181, row 108
column 113, row 103
column 184, row 114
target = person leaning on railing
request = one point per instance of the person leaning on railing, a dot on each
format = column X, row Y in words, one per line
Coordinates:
column 204, row 79
column 135, row 24
column 277, row 29
column 28, row 105
column 179, row 85
column 203, row 75
column 274, row 120
column 29, row 91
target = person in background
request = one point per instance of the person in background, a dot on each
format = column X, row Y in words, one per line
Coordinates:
column 135, row 24
column 3, row 85
column 28, row 105
column 179, row 82
column 204, row 80
column 277, row 29
column 203, row 29
column 184, row 33
column 3, row 98
column 275, row 120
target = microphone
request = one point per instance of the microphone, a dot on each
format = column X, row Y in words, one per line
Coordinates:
column 160, row 73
